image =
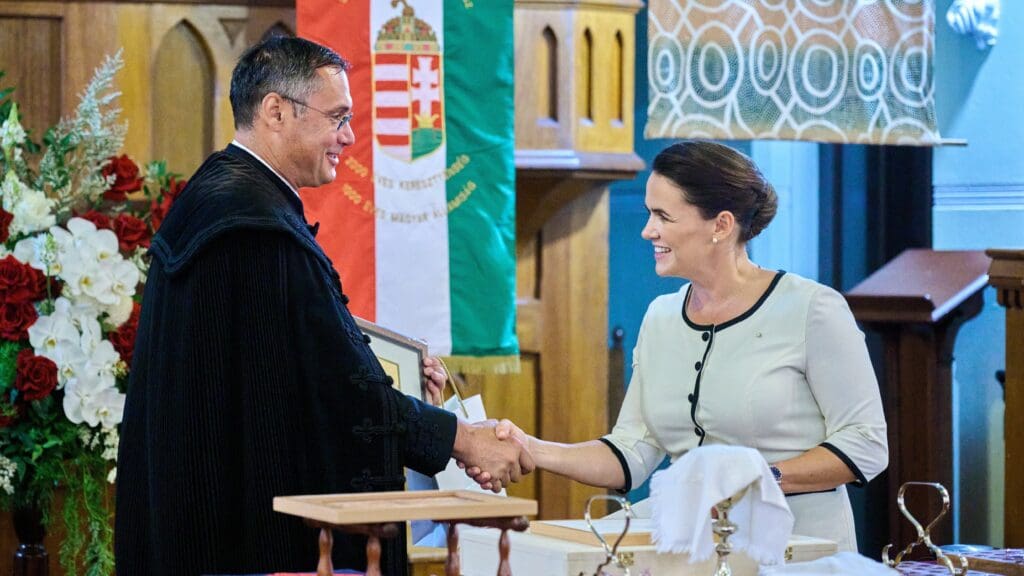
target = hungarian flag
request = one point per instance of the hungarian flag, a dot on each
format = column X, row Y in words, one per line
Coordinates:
column 420, row 221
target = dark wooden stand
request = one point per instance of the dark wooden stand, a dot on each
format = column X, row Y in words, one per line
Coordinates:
column 1007, row 276
column 918, row 302
column 375, row 532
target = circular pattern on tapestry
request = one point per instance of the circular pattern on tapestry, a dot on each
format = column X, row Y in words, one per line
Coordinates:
column 767, row 64
column 910, row 70
column 870, row 66
column 714, row 65
column 665, row 61
column 818, row 71
column 823, row 10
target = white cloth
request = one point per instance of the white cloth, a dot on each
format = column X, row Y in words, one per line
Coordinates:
column 682, row 497
column 790, row 374
column 841, row 564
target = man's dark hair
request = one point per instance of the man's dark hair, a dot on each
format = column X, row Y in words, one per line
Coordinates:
column 714, row 177
column 280, row 64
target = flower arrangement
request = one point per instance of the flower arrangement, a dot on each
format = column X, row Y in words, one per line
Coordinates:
column 73, row 240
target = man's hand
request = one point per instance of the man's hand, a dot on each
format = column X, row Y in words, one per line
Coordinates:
column 505, row 430
column 504, row 461
column 434, row 378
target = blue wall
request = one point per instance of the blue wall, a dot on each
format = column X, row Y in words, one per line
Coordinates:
column 979, row 203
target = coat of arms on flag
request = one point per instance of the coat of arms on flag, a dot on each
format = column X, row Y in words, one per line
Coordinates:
column 421, row 218
column 408, row 91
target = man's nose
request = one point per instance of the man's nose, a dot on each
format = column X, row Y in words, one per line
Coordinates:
column 347, row 136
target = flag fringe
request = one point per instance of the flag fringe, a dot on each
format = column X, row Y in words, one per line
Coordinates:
column 483, row 364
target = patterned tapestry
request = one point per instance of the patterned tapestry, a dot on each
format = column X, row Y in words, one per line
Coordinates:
column 846, row 71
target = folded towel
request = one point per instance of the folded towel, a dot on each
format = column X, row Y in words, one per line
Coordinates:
column 841, row 564
column 682, row 497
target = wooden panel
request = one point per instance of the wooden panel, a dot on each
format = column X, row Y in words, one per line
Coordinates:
column 574, row 362
column 1007, row 276
column 533, row 126
column 512, row 396
column 613, row 45
column 1014, row 486
column 30, row 54
column 182, row 100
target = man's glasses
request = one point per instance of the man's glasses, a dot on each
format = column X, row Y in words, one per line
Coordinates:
column 342, row 120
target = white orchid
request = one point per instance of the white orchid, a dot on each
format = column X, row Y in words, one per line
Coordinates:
column 31, row 209
column 93, row 400
column 50, row 333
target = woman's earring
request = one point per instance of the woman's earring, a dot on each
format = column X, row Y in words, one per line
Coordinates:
column 714, row 239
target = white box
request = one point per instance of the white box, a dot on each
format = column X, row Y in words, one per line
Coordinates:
column 535, row 555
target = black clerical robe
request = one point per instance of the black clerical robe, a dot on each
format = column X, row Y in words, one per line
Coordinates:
column 251, row 380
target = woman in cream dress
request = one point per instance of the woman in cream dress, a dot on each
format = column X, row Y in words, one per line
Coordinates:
column 740, row 355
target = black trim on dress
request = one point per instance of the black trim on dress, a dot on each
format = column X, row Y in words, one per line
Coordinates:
column 861, row 480
column 622, row 462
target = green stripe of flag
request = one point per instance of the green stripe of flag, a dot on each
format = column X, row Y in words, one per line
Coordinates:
column 479, row 108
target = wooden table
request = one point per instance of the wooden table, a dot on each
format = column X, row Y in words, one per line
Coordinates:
column 379, row 515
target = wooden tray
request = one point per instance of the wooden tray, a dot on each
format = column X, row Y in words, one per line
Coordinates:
column 378, row 507
column 1008, row 562
column 578, row 531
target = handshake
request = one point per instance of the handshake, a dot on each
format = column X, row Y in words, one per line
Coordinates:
column 493, row 453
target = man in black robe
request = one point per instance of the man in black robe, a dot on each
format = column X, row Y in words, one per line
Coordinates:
column 250, row 378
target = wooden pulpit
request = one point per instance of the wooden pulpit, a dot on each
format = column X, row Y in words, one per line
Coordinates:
column 917, row 302
column 1007, row 276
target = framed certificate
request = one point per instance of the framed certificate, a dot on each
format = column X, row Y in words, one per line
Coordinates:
column 401, row 356
column 402, row 359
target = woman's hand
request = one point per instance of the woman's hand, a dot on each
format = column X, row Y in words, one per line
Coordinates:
column 434, row 378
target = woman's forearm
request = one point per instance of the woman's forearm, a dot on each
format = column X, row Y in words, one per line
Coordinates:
column 816, row 470
column 590, row 462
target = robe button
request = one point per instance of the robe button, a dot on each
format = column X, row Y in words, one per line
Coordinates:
column 366, row 338
column 389, row 380
column 697, row 366
column 705, row 336
column 690, row 398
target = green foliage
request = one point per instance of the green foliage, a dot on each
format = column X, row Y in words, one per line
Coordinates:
column 8, row 364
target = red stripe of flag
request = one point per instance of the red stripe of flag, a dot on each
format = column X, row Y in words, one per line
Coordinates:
column 344, row 207
column 392, row 113
column 386, row 140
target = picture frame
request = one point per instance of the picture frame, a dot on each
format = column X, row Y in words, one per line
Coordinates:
column 402, row 359
column 399, row 355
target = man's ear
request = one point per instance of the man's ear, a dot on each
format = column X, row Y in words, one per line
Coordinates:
column 272, row 111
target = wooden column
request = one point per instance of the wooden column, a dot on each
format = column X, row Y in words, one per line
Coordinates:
column 1007, row 276
column 918, row 301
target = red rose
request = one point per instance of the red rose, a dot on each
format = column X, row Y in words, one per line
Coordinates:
column 37, row 376
column 158, row 210
column 174, row 189
column 126, row 178
column 131, row 232
column 20, row 282
column 99, row 219
column 15, row 318
column 5, row 224
column 123, row 338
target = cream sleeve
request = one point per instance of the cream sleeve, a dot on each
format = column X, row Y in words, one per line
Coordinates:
column 639, row 453
column 843, row 383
